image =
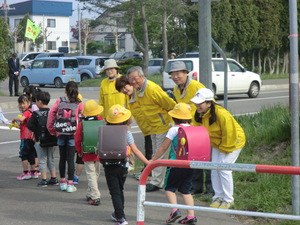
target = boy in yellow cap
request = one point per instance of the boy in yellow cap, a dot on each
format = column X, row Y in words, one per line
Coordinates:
column 116, row 173
column 177, row 178
column 91, row 111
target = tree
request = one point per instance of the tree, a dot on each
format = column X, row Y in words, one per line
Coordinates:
column 5, row 46
column 85, row 30
column 21, row 28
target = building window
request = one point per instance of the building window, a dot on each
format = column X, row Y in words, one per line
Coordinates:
column 51, row 23
column 51, row 45
column 17, row 21
column 64, row 43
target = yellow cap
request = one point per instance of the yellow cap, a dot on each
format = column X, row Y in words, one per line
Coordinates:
column 91, row 108
column 117, row 114
column 79, row 96
column 181, row 111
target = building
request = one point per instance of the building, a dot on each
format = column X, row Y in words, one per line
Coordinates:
column 52, row 16
column 112, row 30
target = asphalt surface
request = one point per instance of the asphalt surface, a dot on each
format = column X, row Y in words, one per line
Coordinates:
column 22, row 202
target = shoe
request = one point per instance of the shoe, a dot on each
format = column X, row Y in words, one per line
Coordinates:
column 188, row 221
column 17, row 95
column 76, row 179
column 226, row 205
column 24, row 176
column 216, row 203
column 174, row 216
column 42, row 183
column 71, row 188
column 88, row 198
column 34, row 175
column 63, row 186
column 121, row 221
column 137, row 175
column 113, row 217
column 207, row 195
column 151, row 187
column 53, row 181
column 96, row 201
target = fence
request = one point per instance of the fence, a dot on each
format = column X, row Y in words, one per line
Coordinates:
column 141, row 203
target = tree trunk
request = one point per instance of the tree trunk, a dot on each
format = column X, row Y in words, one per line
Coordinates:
column 164, row 37
column 277, row 62
column 145, row 38
column 265, row 64
column 253, row 63
column 259, row 62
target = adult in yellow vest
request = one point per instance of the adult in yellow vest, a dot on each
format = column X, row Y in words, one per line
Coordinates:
column 154, row 106
column 184, row 90
column 227, row 139
column 108, row 95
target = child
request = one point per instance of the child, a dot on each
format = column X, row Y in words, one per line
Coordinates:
column 44, row 141
column 65, row 141
column 91, row 111
column 32, row 92
column 177, row 178
column 116, row 173
column 27, row 150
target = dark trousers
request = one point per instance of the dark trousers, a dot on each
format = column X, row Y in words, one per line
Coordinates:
column 66, row 155
column 115, row 178
column 198, row 180
column 148, row 147
column 13, row 81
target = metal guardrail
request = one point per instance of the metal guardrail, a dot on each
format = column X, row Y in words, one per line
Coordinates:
column 141, row 203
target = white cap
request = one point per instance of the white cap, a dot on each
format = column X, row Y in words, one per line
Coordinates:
column 202, row 95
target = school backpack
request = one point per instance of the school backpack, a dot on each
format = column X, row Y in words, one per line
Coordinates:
column 46, row 139
column 90, row 139
column 67, row 117
column 113, row 147
column 193, row 143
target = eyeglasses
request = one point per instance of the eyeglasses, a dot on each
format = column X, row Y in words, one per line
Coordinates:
column 133, row 78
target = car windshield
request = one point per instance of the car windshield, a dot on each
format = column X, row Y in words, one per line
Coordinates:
column 84, row 62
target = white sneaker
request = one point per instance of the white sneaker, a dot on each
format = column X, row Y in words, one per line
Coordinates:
column 24, row 176
column 71, row 188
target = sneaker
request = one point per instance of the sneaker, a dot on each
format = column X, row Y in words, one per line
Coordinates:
column 71, row 188
column 121, row 221
column 174, row 216
column 113, row 217
column 96, row 201
column 24, row 176
column 34, row 175
column 216, row 203
column 137, row 175
column 63, row 186
column 53, row 181
column 226, row 205
column 42, row 183
column 188, row 221
column 76, row 179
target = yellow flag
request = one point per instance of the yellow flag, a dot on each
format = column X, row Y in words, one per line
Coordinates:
column 32, row 31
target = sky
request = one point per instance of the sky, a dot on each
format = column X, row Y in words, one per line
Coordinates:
column 74, row 17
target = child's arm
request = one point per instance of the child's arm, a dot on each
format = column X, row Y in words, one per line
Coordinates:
column 138, row 153
column 162, row 149
column 20, row 118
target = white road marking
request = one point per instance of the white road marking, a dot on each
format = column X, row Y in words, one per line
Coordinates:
column 7, row 128
column 9, row 142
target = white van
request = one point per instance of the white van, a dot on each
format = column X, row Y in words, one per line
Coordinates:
column 240, row 81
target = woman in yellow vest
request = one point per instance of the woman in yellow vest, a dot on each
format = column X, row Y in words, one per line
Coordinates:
column 227, row 139
column 108, row 95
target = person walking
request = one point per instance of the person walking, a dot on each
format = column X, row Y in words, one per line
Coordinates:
column 227, row 140
column 13, row 74
column 154, row 106
column 183, row 91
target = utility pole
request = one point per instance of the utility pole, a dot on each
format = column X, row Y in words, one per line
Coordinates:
column 79, row 30
column 6, row 8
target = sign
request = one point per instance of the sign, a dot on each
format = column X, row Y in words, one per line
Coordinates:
column 32, row 31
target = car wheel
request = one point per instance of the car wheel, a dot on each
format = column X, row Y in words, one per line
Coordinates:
column 42, row 85
column 84, row 77
column 58, row 83
column 253, row 90
column 24, row 82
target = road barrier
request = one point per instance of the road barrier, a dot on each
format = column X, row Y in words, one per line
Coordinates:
column 141, row 203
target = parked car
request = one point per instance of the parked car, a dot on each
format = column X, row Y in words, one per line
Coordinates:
column 26, row 58
column 90, row 66
column 118, row 56
column 240, row 81
column 51, row 70
column 155, row 66
column 50, row 54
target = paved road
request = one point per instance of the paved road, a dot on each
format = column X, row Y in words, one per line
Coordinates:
column 22, row 202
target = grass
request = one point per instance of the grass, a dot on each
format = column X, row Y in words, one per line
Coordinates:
column 274, row 76
column 268, row 142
